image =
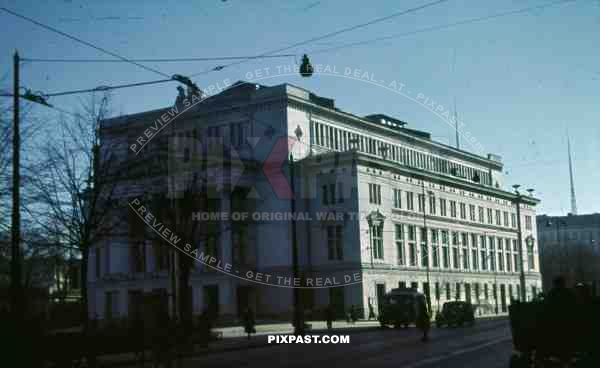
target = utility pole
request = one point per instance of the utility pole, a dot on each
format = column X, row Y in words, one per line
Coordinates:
column 298, row 313
column 520, row 240
column 428, row 291
column 16, row 286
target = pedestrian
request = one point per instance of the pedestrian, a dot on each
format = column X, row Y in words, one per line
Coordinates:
column 249, row 322
column 423, row 320
column 353, row 313
column 371, row 311
column 204, row 328
column 329, row 316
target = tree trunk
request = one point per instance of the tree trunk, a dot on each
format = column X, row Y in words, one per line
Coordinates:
column 84, row 297
column 185, row 312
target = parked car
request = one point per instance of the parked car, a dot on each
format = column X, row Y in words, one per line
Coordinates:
column 400, row 307
column 456, row 314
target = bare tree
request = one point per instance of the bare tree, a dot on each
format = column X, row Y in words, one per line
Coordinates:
column 73, row 200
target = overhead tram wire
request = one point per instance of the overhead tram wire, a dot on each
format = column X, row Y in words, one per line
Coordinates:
column 171, row 60
column 76, row 39
column 440, row 27
column 330, row 34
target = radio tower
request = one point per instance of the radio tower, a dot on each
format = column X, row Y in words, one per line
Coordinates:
column 573, row 200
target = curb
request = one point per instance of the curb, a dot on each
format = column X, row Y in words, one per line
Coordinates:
column 254, row 343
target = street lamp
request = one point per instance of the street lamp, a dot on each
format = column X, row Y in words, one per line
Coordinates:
column 492, row 265
column 520, row 240
column 298, row 312
column 425, row 232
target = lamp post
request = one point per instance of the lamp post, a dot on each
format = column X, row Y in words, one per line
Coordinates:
column 298, row 312
column 493, row 266
column 425, row 232
column 520, row 240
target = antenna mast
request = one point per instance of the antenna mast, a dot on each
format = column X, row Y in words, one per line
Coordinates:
column 573, row 200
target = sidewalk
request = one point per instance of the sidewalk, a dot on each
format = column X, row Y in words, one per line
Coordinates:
column 234, row 338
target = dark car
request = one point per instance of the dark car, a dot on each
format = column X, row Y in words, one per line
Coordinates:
column 456, row 314
column 401, row 307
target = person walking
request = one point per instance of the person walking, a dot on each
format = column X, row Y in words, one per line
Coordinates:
column 249, row 322
column 329, row 316
column 424, row 320
column 371, row 311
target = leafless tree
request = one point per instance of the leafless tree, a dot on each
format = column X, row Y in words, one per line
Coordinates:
column 74, row 191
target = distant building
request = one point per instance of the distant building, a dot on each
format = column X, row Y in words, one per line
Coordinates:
column 570, row 245
column 426, row 215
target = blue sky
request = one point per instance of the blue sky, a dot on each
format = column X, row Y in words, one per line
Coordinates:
column 519, row 81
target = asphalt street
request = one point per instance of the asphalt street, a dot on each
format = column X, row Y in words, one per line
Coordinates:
column 487, row 344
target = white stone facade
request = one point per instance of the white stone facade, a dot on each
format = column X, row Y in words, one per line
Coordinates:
column 332, row 175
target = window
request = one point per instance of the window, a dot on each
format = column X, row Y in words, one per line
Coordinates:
column 474, row 263
column 485, row 291
column 335, row 243
column 377, row 241
column 458, row 291
column 445, row 250
column 424, row 252
column 508, row 256
column 490, row 216
column 498, row 218
column 443, row 207
column 465, row 258
column 412, row 246
column 474, row 254
column 500, row 254
column 455, row 263
column 397, row 198
column 463, row 211
column 435, row 247
column 530, row 258
column 137, row 257
column 481, row 219
column 472, row 212
column 239, row 133
column 400, row 243
column 505, row 218
column 513, row 220
column 482, row 252
column 421, row 202
column 447, row 291
column 332, row 193
column 528, row 222
column 432, row 209
column 409, row 201
column 325, row 195
column 375, row 193
column 452, row 208
column 492, row 254
column 340, row 192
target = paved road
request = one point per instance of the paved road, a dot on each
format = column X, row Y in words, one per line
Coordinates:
column 488, row 344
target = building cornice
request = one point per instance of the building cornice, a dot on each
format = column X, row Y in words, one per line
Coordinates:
column 362, row 158
column 381, row 129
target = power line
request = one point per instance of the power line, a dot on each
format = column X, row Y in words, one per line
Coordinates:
column 171, row 60
column 440, row 27
column 76, row 39
column 107, row 88
column 334, row 33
